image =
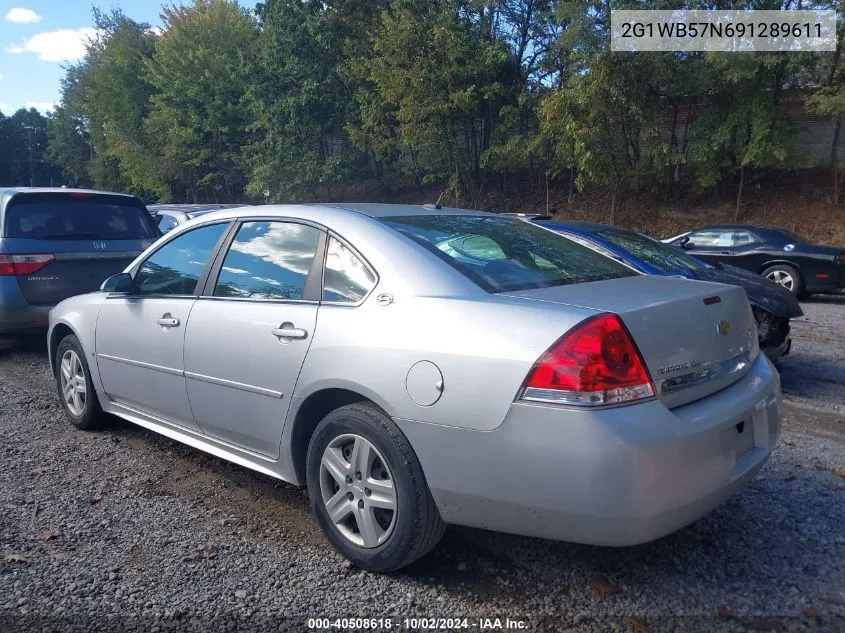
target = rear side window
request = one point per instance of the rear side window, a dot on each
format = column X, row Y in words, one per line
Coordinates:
column 67, row 218
column 503, row 254
column 346, row 278
column 268, row 260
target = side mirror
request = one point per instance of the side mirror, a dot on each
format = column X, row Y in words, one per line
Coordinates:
column 684, row 243
column 121, row 282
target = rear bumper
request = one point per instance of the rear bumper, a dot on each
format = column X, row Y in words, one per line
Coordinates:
column 16, row 315
column 613, row 477
column 832, row 281
column 23, row 319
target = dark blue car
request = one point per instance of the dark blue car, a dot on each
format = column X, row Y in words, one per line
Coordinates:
column 773, row 306
column 56, row 243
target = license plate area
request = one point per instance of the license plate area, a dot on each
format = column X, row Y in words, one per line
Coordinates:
column 744, row 437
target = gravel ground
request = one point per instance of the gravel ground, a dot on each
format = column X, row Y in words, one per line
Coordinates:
column 126, row 530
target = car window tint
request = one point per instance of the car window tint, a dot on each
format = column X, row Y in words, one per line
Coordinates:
column 175, row 268
column 711, row 238
column 665, row 258
column 268, row 260
column 67, row 218
column 743, row 237
column 346, row 279
column 501, row 254
column 166, row 223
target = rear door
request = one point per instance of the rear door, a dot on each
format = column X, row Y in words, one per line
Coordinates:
column 73, row 241
column 248, row 335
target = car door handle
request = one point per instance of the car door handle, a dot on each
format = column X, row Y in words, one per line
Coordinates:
column 287, row 331
column 168, row 320
column 724, row 252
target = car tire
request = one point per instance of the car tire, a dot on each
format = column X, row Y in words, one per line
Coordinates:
column 786, row 276
column 391, row 539
column 81, row 406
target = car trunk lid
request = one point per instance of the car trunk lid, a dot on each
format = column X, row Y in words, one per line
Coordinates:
column 696, row 338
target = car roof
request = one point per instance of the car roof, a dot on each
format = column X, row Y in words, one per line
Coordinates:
column 367, row 209
column 191, row 209
column 10, row 191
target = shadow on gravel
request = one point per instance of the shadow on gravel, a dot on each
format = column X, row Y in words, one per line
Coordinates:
column 24, row 343
column 747, row 540
column 831, row 299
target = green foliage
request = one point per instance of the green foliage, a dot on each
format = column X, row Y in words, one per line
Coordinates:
column 317, row 98
column 200, row 74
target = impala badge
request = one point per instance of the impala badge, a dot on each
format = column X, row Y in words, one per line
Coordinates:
column 723, row 327
column 99, row 246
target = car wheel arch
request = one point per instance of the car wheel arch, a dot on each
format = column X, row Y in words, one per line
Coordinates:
column 317, row 405
column 778, row 262
column 57, row 334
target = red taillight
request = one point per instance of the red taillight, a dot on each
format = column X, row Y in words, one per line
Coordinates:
column 596, row 363
column 24, row 264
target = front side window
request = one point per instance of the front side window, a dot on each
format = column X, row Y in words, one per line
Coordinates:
column 502, row 254
column 665, row 258
column 175, row 268
column 346, row 278
column 268, row 260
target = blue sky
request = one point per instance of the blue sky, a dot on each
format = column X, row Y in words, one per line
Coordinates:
column 39, row 37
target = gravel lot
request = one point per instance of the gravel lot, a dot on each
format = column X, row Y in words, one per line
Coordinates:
column 126, row 530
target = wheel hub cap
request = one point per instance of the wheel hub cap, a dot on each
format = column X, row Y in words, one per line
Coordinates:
column 72, row 381
column 783, row 278
column 357, row 490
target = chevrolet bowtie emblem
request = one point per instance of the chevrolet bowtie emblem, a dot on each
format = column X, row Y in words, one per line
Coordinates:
column 723, row 327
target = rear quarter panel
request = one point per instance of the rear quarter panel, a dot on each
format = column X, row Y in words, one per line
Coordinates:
column 484, row 350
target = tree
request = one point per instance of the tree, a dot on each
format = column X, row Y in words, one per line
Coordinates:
column 442, row 79
column 741, row 127
column 200, row 75
column 299, row 102
column 23, row 138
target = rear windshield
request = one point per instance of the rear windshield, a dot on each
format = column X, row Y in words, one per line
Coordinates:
column 68, row 218
column 503, row 254
column 665, row 258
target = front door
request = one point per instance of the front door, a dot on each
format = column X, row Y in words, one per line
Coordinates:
column 140, row 337
column 247, row 339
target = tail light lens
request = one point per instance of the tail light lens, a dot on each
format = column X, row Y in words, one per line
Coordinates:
column 23, row 265
column 596, row 363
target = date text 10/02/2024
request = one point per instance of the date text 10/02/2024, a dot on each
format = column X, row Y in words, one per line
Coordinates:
column 417, row 624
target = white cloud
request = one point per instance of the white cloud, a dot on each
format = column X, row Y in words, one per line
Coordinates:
column 22, row 16
column 62, row 45
column 3, row 107
column 41, row 106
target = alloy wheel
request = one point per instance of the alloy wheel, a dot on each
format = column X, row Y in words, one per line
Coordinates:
column 74, row 386
column 358, row 491
column 782, row 278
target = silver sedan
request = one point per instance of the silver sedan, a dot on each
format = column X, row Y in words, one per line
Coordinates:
column 416, row 366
